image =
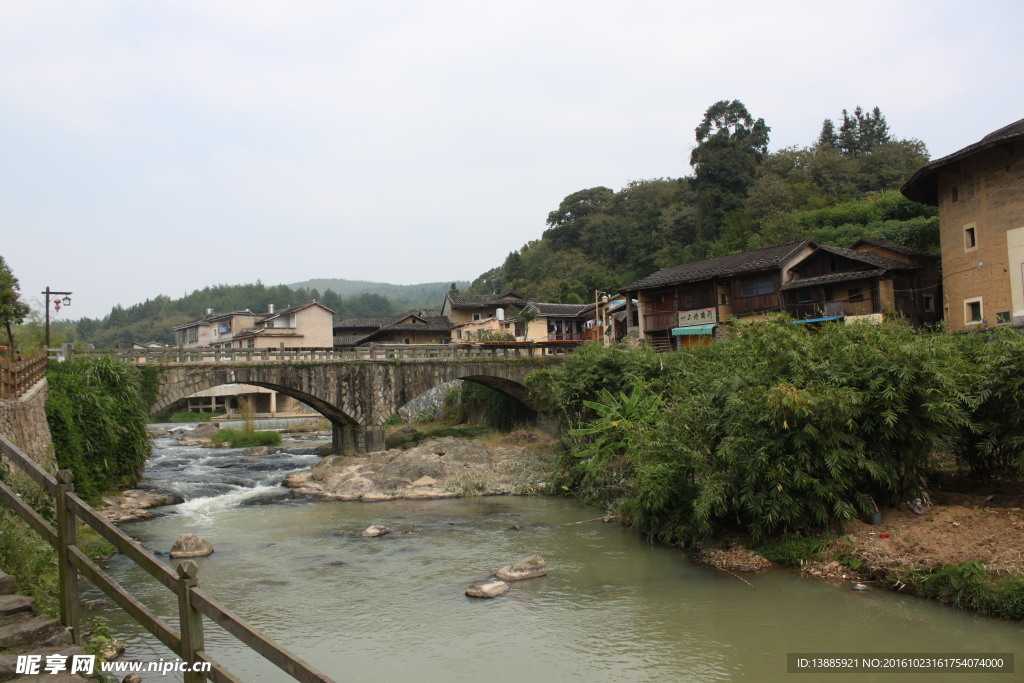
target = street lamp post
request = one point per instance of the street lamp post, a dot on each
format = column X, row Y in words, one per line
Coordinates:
column 66, row 301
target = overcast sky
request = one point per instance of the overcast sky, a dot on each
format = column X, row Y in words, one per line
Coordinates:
column 158, row 147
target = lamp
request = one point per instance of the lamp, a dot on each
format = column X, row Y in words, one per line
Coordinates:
column 66, row 301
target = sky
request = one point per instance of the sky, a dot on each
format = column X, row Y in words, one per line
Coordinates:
column 160, row 147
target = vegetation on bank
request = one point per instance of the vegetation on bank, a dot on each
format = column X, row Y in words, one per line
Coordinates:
column 97, row 413
column 240, row 438
column 783, row 430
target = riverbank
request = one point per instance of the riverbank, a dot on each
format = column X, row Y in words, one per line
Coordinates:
column 966, row 549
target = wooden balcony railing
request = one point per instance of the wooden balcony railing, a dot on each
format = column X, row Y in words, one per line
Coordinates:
column 17, row 377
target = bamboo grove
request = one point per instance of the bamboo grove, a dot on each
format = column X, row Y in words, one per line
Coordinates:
column 783, row 429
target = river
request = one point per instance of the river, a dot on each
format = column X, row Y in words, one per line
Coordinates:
column 613, row 607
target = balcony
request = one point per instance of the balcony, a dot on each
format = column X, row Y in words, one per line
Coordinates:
column 831, row 309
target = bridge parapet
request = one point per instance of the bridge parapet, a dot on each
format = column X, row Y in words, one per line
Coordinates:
column 369, row 353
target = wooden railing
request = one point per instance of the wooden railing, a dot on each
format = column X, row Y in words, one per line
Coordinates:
column 17, row 377
column 831, row 309
column 372, row 352
column 193, row 604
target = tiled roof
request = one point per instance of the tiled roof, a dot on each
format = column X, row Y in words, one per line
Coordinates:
column 559, row 310
column 893, row 246
column 723, row 266
column 352, row 339
column 376, row 324
column 293, row 309
column 211, row 317
column 869, row 257
column 923, row 186
column 366, row 321
column 833, row 278
column 460, row 300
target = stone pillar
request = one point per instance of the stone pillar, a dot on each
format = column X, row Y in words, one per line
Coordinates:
column 343, row 439
column 371, row 439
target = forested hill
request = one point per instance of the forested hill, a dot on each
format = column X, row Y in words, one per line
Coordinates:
column 841, row 187
column 154, row 319
column 402, row 297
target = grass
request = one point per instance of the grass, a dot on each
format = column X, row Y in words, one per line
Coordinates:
column 33, row 563
column 242, row 439
column 968, row 585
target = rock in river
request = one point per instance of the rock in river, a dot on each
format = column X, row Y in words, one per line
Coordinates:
column 526, row 568
column 191, row 545
column 490, row 588
column 375, row 530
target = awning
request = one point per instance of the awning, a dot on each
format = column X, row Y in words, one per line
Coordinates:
column 693, row 329
column 818, row 320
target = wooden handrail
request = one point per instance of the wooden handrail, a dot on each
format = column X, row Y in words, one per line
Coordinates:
column 17, row 377
column 193, row 604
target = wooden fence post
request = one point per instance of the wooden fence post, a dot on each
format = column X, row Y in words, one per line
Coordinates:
column 190, row 620
column 66, row 536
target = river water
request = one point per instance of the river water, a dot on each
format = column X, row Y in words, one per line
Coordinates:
column 613, row 607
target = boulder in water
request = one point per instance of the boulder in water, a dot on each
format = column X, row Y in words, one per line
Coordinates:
column 526, row 568
column 375, row 530
column 191, row 545
column 491, row 588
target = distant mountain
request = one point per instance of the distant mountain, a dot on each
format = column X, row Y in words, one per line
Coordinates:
column 404, row 297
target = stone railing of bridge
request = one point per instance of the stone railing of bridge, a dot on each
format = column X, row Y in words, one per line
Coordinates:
column 370, row 352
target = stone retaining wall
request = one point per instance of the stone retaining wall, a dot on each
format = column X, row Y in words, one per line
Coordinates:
column 23, row 423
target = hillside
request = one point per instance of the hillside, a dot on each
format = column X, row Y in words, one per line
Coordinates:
column 155, row 319
column 741, row 196
column 403, row 297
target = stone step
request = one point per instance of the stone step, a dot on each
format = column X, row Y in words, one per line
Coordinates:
column 8, row 584
column 9, row 662
column 13, row 603
column 24, row 629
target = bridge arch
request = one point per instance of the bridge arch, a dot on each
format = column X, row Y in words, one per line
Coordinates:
column 357, row 397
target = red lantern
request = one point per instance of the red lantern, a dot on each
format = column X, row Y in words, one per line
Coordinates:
column 56, row 305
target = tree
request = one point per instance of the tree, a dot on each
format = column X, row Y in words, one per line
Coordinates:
column 13, row 310
column 858, row 135
column 730, row 145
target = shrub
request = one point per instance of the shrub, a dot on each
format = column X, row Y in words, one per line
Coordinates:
column 97, row 420
column 242, row 439
column 781, row 430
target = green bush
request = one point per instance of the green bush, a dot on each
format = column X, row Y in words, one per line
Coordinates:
column 242, row 439
column 781, row 430
column 969, row 585
column 97, row 419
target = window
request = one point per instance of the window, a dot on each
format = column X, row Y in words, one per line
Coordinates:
column 954, row 193
column 758, row 287
column 973, row 311
column 688, row 302
column 250, row 344
column 970, row 238
column 856, row 294
column 1003, row 318
column 476, row 316
column 929, row 303
column 458, row 334
column 725, row 299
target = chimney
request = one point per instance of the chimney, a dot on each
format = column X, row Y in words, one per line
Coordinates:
column 209, row 311
column 270, row 308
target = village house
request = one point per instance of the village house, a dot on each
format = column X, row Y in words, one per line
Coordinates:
column 307, row 326
column 427, row 327
column 304, row 326
column 979, row 191
column 692, row 303
column 213, row 329
column 471, row 315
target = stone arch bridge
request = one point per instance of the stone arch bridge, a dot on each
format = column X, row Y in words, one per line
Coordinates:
column 356, row 396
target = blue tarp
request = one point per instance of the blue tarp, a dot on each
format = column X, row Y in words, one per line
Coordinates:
column 818, row 320
column 694, row 329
